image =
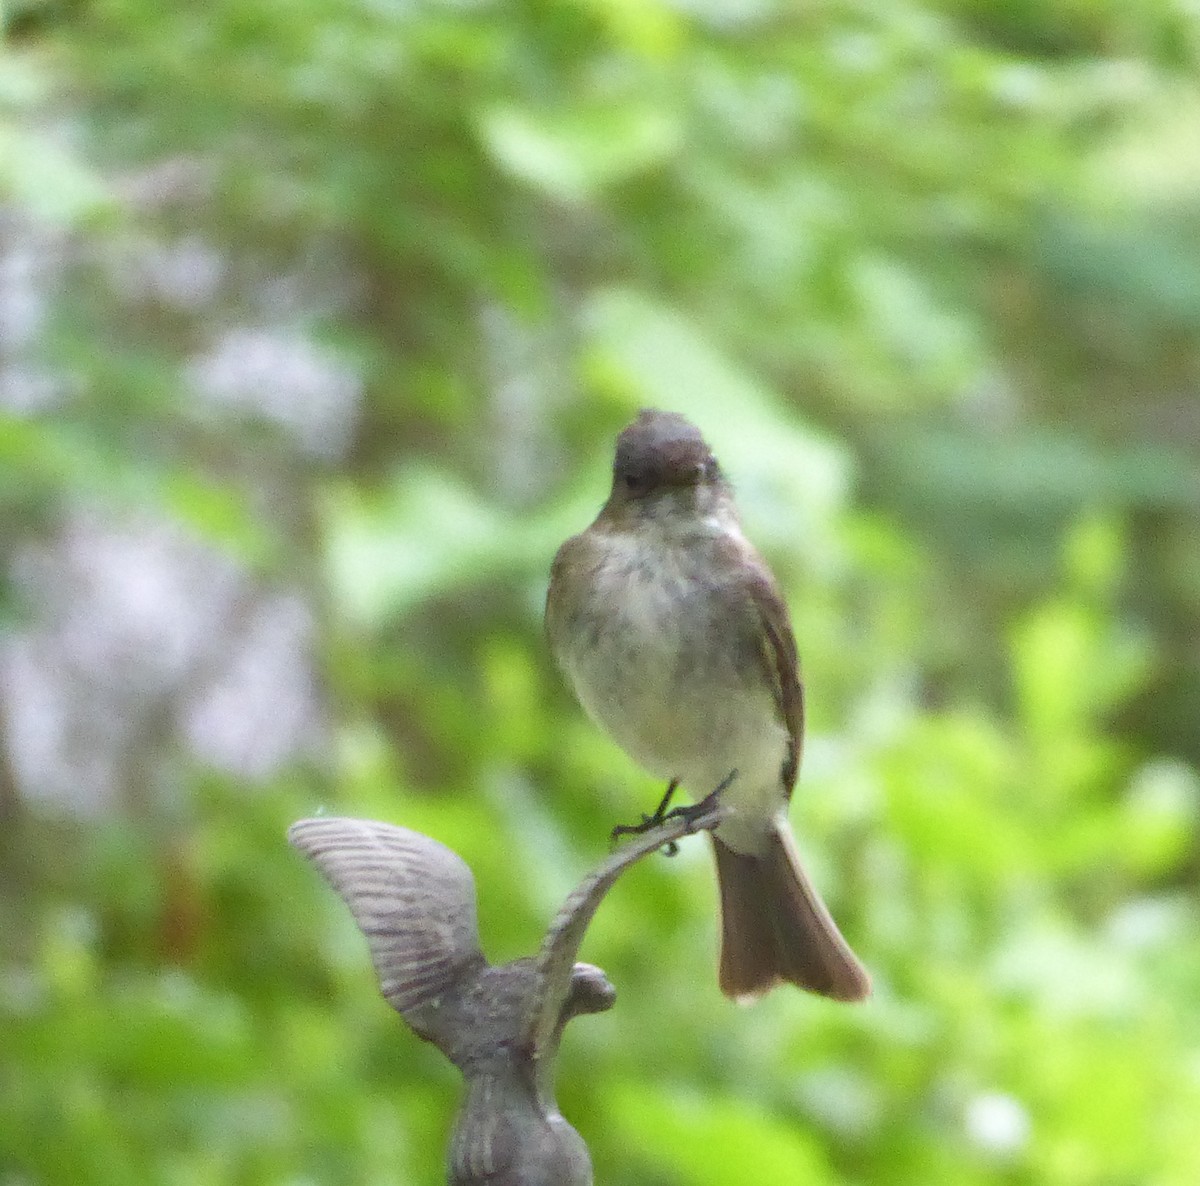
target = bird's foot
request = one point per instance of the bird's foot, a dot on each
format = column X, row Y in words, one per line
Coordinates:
column 649, row 821
column 695, row 811
column 689, row 813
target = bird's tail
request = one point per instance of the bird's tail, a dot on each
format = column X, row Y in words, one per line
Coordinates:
column 774, row 926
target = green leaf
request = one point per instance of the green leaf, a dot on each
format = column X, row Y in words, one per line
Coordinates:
column 574, row 155
column 711, row 1140
column 48, row 181
column 428, row 533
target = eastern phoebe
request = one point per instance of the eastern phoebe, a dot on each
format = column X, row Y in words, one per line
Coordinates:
column 675, row 637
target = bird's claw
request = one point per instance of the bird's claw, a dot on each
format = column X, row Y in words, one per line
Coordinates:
column 648, row 821
column 689, row 813
column 692, row 812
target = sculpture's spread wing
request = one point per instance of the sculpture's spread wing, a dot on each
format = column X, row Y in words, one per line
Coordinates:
column 556, row 960
column 412, row 898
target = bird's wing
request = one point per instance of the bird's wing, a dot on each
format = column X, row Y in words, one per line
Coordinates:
column 556, row 960
column 776, row 645
column 578, row 552
column 411, row 897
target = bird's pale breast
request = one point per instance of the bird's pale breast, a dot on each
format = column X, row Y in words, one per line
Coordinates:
column 666, row 659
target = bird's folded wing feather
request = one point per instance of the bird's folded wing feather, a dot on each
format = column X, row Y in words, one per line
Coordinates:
column 781, row 665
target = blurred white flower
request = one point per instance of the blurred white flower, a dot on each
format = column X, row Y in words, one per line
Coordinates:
column 997, row 1123
column 283, row 377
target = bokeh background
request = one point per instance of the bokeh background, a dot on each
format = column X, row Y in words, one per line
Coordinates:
column 317, row 320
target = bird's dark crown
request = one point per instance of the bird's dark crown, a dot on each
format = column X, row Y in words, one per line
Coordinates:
column 662, row 449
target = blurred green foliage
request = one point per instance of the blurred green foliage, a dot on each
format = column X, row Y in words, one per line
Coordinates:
column 927, row 275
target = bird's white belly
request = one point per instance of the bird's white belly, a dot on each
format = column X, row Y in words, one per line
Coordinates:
column 672, row 674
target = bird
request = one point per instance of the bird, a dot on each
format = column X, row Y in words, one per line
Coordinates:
column 414, row 900
column 676, row 640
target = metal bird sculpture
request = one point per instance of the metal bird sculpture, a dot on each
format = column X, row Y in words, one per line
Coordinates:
column 414, row 900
